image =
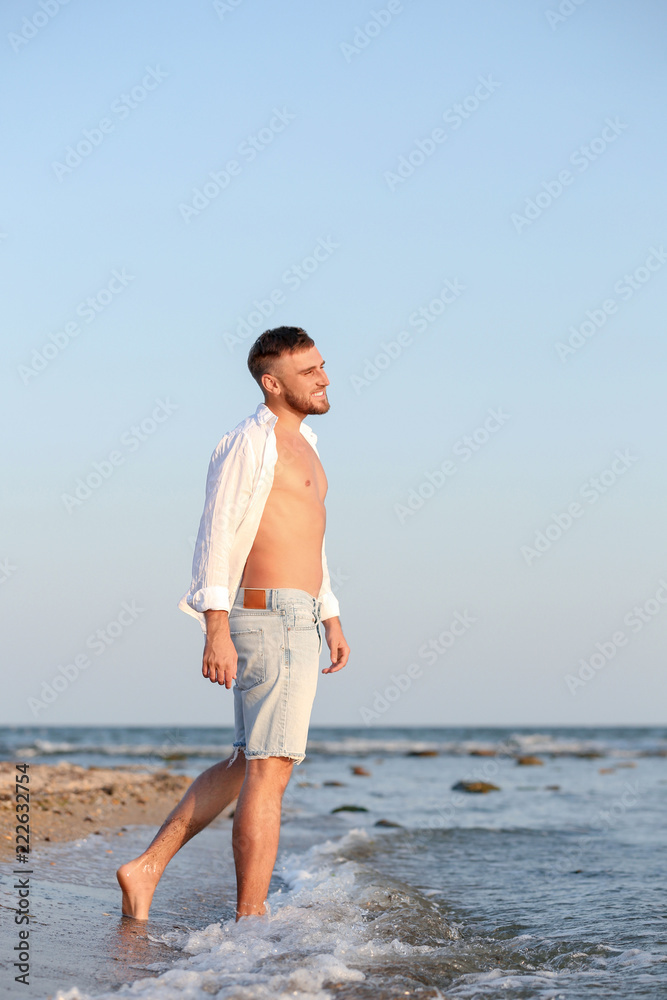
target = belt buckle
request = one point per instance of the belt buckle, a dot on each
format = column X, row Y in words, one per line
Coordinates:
column 254, row 598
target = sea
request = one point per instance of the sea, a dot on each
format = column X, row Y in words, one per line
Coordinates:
column 551, row 885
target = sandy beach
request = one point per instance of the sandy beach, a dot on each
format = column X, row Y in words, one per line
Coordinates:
column 68, row 801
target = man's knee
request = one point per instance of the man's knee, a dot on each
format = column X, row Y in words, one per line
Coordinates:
column 276, row 770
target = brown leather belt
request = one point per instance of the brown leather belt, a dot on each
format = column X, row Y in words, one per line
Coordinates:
column 253, row 598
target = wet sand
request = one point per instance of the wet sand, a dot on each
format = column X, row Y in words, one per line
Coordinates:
column 68, row 801
column 77, row 932
column 75, row 895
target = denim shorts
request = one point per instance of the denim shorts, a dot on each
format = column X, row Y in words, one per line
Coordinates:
column 278, row 651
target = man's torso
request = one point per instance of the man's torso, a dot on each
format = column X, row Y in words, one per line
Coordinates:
column 287, row 550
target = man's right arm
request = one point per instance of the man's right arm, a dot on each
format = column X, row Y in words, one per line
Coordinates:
column 229, row 486
column 219, row 663
column 228, row 493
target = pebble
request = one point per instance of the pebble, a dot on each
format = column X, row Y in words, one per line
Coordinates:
column 475, row 786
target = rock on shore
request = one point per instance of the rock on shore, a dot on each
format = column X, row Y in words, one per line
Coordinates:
column 477, row 787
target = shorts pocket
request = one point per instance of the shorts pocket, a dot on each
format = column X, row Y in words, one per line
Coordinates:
column 251, row 665
column 304, row 624
column 302, row 618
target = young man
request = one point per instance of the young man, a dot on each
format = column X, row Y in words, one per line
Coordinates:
column 260, row 589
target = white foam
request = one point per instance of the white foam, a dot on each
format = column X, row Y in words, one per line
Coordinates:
column 330, row 919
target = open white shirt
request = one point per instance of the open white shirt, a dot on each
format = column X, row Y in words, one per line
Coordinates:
column 239, row 480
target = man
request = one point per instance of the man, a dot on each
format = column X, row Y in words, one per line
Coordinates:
column 260, row 588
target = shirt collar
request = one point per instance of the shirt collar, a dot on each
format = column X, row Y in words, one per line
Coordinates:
column 263, row 413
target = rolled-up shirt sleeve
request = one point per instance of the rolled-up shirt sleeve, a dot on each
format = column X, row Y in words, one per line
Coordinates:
column 330, row 607
column 229, row 484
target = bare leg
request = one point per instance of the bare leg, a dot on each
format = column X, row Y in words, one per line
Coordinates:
column 256, row 830
column 206, row 797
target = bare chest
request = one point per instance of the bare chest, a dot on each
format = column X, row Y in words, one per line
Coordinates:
column 298, row 469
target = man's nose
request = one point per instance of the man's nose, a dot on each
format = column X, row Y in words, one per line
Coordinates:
column 324, row 378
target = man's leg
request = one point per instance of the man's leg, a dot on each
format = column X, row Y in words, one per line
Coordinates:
column 256, row 830
column 206, row 797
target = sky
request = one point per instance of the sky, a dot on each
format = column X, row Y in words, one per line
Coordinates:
column 463, row 204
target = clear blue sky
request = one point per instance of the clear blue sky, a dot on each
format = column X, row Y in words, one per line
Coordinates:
column 515, row 154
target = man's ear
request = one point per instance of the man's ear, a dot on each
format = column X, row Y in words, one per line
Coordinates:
column 270, row 385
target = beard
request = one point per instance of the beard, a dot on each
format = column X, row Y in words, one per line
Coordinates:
column 306, row 404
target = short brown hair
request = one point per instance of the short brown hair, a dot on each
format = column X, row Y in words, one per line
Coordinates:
column 272, row 344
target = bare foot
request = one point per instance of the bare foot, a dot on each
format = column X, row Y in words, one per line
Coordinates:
column 138, row 880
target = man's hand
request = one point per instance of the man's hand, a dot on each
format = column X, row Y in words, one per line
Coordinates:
column 338, row 647
column 219, row 663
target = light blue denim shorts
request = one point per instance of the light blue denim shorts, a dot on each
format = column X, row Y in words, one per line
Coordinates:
column 278, row 651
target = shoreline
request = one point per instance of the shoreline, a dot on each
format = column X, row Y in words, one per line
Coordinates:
column 68, row 801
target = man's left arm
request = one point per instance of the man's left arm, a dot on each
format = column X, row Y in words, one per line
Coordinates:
column 333, row 631
column 338, row 647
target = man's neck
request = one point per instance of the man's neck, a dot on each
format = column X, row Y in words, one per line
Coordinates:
column 290, row 420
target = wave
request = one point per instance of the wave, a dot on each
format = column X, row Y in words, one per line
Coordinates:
column 514, row 745
column 338, row 929
column 334, row 922
column 165, row 750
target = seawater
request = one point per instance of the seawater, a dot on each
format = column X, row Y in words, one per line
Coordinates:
column 554, row 886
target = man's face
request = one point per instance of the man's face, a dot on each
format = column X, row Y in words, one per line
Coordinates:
column 303, row 381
